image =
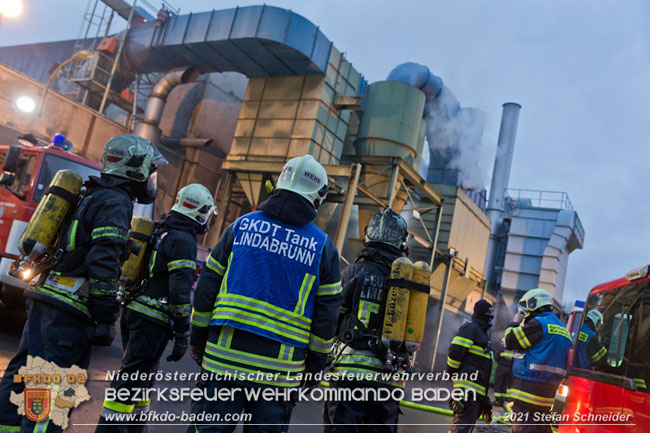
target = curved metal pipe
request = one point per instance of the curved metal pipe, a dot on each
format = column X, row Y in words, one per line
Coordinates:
column 186, row 142
column 148, row 127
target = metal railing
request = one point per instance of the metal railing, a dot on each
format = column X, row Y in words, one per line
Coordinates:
column 544, row 199
column 538, row 198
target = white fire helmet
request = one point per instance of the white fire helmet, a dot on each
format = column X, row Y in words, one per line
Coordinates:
column 195, row 202
column 304, row 176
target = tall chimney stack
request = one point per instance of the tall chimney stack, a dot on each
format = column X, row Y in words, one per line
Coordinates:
column 500, row 177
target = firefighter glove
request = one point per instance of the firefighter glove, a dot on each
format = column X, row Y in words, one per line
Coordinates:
column 181, row 341
column 486, row 409
column 103, row 334
column 196, row 352
column 456, row 406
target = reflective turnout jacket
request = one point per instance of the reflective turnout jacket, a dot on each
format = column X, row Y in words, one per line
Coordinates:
column 470, row 351
column 589, row 349
column 171, row 270
column 267, row 299
column 364, row 298
column 542, row 357
column 84, row 282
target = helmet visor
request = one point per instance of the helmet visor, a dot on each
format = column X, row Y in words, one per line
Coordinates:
column 159, row 159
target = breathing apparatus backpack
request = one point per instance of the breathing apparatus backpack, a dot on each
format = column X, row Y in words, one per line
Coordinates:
column 144, row 238
column 397, row 333
column 40, row 245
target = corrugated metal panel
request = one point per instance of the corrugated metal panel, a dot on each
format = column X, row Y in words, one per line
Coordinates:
column 36, row 60
column 258, row 41
column 539, row 243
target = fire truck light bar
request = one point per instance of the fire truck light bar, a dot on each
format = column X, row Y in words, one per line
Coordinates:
column 637, row 274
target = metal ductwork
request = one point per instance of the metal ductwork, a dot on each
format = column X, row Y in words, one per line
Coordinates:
column 148, row 126
column 186, row 142
column 500, row 178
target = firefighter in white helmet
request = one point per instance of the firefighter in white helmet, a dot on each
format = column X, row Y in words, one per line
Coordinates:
column 542, row 344
column 74, row 304
column 268, row 299
column 159, row 309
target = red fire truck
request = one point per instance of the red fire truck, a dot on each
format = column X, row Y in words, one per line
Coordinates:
column 612, row 396
column 27, row 169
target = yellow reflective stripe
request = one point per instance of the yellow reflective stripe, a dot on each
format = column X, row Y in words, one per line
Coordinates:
column 261, row 322
column 521, row 337
column 143, row 403
column 465, row 342
column 215, row 266
column 598, row 355
column 470, row 385
column 182, row 310
column 582, row 336
column 530, row 398
column 116, row 406
column 202, row 320
column 329, row 289
column 303, row 295
column 320, row 345
column 251, row 359
column 62, row 296
column 224, row 281
column 453, row 363
column 147, row 311
column 152, row 263
column 265, row 308
column 101, row 232
column 178, row 264
column 249, row 375
column 500, row 394
column 640, row 383
column 507, row 354
column 73, row 235
column 479, row 351
column 9, row 428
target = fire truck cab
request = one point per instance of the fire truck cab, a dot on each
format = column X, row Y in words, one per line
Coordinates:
column 617, row 383
column 27, row 170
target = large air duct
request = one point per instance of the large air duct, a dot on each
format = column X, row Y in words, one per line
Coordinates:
column 500, row 178
column 148, row 126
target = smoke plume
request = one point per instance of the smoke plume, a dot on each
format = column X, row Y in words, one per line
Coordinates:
column 455, row 136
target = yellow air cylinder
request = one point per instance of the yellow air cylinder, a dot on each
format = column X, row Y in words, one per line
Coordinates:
column 397, row 303
column 417, row 313
column 141, row 232
column 43, row 226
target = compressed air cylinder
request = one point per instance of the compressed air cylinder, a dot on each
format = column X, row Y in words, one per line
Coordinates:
column 397, row 303
column 417, row 313
column 141, row 232
column 41, row 231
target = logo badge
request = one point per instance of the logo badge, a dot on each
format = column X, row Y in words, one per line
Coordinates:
column 37, row 404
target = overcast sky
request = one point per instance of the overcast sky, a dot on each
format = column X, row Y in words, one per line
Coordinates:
column 579, row 68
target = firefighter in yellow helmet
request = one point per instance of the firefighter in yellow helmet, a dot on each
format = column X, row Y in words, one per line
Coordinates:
column 542, row 344
column 268, row 300
column 159, row 308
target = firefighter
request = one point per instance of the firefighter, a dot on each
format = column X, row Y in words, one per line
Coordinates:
column 64, row 320
column 542, row 344
column 470, row 352
column 589, row 349
column 160, row 307
column 266, row 306
column 504, row 359
column 362, row 312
